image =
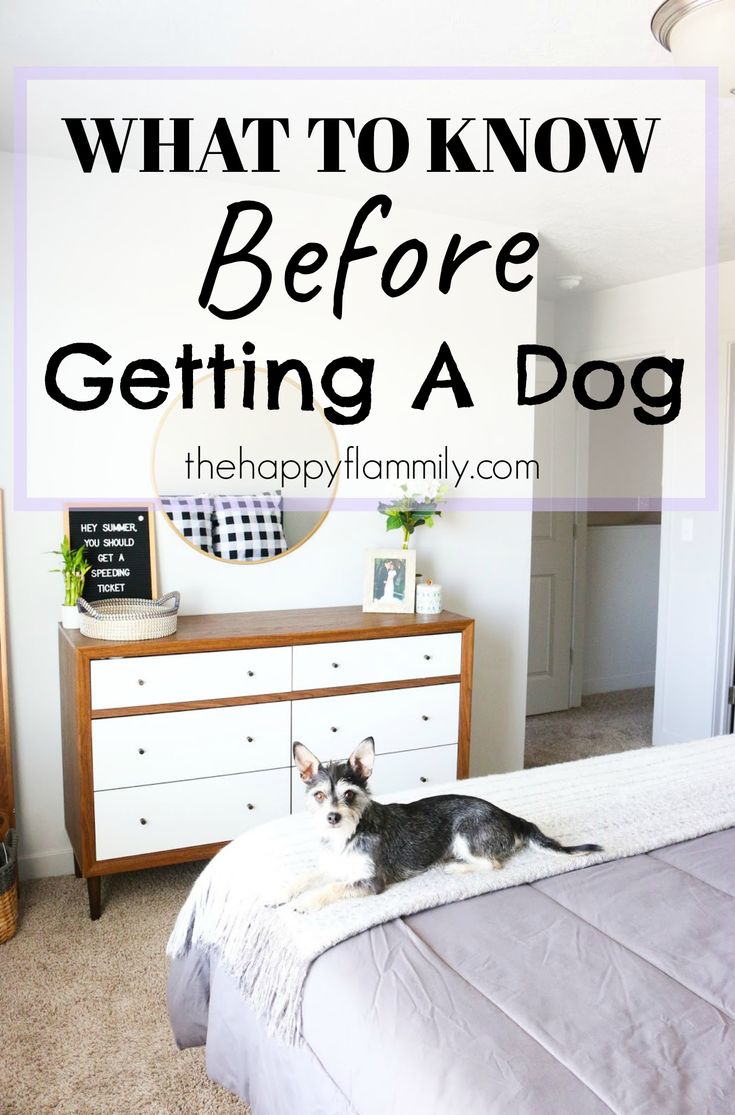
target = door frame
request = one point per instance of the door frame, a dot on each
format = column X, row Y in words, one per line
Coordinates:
column 722, row 711
column 579, row 566
column 579, row 606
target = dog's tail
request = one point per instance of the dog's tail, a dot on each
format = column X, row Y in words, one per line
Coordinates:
column 536, row 836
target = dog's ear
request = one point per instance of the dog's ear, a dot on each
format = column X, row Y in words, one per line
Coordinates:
column 362, row 758
column 307, row 763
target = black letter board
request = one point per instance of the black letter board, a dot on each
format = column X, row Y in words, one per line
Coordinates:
column 120, row 546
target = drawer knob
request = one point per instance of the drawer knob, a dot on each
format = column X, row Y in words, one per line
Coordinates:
column 334, row 729
column 143, row 821
column 424, row 718
column 251, row 673
column 422, row 779
column 249, row 739
column 427, row 657
column 335, row 665
column 141, row 750
column 250, row 805
column 141, row 681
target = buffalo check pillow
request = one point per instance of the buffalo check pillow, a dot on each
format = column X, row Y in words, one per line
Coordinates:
column 192, row 517
column 248, row 528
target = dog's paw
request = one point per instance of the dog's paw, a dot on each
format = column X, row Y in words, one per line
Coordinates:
column 308, row 903
column 277, row 896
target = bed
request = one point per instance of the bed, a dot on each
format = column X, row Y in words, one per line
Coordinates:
column 608, row 989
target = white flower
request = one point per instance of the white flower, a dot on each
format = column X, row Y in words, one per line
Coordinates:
column 407, row 495
column 428, row 491
column 421, row 491
column 397, row 490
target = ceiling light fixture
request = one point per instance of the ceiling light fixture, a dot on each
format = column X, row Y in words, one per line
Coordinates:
column 569, row 283
column 699, row 33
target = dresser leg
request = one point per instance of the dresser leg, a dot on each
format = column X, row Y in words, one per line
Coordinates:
column 77, row 868
column 94, row 890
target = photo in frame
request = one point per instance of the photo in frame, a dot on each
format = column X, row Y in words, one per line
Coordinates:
column 390, row 581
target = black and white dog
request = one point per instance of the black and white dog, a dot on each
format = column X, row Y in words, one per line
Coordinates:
column 368, row 846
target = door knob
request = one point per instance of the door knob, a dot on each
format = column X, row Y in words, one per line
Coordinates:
column 250, row 805
column 143, row 821
column 422, row 779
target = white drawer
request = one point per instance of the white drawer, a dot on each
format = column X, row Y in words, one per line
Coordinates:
column 404, row 770
column 397, row 719
column 417, row 770
column 170, row 678
column 169, row 746
column 327, row 665
column 145, row 819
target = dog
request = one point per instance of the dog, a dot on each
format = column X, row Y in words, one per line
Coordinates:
column 369, row 846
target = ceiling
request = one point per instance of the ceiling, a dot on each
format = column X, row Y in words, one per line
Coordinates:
column 607, row 237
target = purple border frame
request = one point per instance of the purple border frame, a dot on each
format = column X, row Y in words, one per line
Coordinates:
column 22, row 75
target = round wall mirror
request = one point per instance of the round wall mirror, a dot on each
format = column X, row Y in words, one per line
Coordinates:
column 244, row 485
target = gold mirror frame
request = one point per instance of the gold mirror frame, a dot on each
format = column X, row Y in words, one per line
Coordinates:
column 172, row 406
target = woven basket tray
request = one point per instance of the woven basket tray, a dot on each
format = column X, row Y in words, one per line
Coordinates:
column 8, row 886
column 129, row 620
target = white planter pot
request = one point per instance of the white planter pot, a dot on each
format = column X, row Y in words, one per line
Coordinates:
column 69, row 616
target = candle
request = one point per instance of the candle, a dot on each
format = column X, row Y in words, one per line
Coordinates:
column 428, row 598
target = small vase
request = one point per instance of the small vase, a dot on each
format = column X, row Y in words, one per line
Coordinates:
column 69, row 617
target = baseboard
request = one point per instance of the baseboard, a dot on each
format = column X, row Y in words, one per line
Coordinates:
column 44, row 864
column 618, row 681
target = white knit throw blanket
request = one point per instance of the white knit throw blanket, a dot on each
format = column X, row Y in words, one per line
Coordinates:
column 630, row 803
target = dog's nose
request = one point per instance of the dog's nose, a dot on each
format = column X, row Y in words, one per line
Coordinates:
column 333, row 818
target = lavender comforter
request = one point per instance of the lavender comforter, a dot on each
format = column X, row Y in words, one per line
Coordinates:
column 610, row 989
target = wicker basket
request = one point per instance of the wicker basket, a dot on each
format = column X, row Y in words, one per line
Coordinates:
column 129, row 620
column 8, row 886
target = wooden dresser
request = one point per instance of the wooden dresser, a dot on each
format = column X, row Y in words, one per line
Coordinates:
column 172, row 747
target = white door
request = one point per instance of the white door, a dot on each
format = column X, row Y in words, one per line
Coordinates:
column 550, row 617
column 551, row 627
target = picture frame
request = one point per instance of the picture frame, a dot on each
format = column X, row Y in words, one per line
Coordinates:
column 390, row 581
column 136, row 554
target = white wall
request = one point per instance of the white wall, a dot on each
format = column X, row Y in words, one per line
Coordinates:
column 482, row 559
column 635, row 472
column 622, row 607
column 667, row 315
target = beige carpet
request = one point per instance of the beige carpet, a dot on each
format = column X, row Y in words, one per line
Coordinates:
column 604, row 723
column 82, row 1004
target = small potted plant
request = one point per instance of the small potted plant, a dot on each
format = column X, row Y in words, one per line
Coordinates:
column 73, row 568
column 413, row 506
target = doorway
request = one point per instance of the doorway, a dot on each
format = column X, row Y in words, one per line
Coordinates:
column 594, row 583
